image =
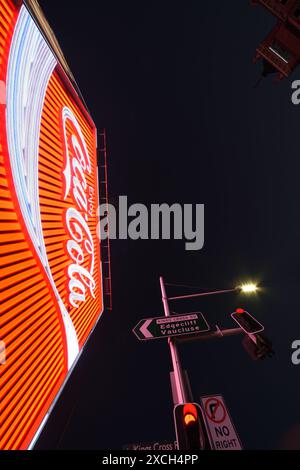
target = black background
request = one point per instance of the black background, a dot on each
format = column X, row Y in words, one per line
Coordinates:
column 173, row 84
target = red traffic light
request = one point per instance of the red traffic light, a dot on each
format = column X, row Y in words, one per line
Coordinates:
column 190, row 429
column 190, row 414
column 240, row 310
column 247, row 322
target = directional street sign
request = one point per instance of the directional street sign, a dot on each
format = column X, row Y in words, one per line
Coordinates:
column 221, row 431
column 168, row 327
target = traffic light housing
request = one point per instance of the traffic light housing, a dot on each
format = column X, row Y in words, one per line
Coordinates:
column 247, row 322
column 258, row 346
column 190, row 428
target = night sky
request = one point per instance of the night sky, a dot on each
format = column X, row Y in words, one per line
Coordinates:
column 173, row 84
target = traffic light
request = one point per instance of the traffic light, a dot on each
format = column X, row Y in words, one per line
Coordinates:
column 247, row 322
column 258, row 346
column 190, row 428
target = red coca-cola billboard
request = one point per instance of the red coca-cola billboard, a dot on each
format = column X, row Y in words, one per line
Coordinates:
column 51, row 279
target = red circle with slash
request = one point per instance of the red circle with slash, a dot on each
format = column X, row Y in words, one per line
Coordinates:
column 212, row 406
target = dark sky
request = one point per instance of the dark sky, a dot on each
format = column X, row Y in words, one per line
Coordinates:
column 173, row 83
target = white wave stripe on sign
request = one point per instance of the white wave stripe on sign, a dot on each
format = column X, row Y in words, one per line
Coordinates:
column 30, row 66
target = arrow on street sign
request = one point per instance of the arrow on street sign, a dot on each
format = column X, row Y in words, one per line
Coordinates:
column 168, row 327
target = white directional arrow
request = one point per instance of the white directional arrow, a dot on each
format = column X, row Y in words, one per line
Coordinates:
column 144, row 329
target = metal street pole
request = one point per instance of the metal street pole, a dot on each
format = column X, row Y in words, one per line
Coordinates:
column 182, row 396
column 180, row 382
column 204, row 294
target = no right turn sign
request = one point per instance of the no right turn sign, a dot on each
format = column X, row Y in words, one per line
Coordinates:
column 222, row 433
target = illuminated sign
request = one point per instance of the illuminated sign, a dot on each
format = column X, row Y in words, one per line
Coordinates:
column 51, row 279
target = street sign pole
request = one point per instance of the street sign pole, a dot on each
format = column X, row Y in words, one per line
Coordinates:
column 194, row 327
column 179, row 378
column 182, row 386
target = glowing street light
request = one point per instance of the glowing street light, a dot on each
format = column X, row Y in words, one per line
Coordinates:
column 248, row 288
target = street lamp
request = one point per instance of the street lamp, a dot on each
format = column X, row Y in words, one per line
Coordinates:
column 248, row 288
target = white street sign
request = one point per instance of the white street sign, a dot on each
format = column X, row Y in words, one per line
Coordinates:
column 221, row 430
column 173, row 326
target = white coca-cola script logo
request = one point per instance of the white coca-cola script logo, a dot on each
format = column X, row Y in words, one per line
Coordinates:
column 80, row 247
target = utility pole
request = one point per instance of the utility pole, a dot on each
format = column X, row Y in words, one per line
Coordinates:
column 180, row 380
column 189, row 417
column 183, row 392
column 190, row 436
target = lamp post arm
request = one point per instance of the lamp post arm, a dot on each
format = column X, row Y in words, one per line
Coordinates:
column 203, row 294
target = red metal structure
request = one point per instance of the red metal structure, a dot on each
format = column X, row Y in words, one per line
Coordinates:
column 105, row 244
column 280, row 51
